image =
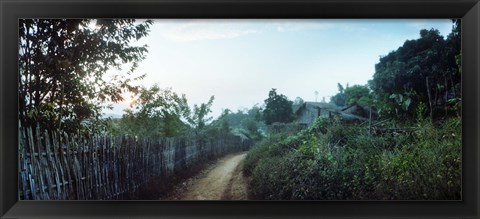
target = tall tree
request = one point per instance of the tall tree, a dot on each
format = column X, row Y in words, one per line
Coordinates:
column 217, row 127
column 277, row 108
column 199, row 117
column 63, row 65
column 297, row 103
column 421, row 71
column 156, row 112
column 339, row 98
column 357, row 94
column 252, row 130
column 224, row 126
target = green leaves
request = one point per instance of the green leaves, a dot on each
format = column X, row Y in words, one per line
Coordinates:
column 339, row 98
column 358, row 94
column 158, row 112
column 343, row 162
column 64, row 61
column 277, row 108
column 402, row 101
column 421, row 70
column 199, row 117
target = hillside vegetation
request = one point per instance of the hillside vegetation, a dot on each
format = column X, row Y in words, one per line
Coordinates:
column 333, row 160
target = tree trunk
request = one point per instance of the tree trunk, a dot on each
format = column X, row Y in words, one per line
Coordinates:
column 446, row 97
column 453, row 87
column 435, row 98
column 370, row 121
column 429, row 99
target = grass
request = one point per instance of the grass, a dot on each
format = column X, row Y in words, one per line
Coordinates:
column 333, row 160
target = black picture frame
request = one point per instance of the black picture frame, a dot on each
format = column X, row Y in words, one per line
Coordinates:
column 12, row 10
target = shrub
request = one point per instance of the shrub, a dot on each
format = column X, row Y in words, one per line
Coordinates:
column 336, row 161
column 429, row 168
column 265, row 148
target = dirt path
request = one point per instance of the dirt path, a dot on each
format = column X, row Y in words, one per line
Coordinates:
column 223, row 180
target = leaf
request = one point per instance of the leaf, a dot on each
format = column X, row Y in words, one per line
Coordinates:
column 407, row 103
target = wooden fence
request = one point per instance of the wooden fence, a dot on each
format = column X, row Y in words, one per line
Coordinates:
column 56, row 166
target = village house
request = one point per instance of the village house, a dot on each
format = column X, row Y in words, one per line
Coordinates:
column 364, row 112
column 308, row 112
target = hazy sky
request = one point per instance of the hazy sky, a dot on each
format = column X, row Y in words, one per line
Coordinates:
column 239, row 61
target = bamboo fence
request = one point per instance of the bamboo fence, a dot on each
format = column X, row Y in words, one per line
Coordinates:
column 54, row 166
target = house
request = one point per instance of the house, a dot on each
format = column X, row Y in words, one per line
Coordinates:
column 360, row 110
column 310, row 111
column 347, row 117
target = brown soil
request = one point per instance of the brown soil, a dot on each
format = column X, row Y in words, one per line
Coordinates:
column 222, row 180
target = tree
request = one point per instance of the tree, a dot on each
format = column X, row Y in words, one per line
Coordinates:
column 156, row 112
column 247, row 123
column 357, row 94
column 252, row 129
column 221, row 125
column 63, row 65
column 277, row 108
column 224, row 126
column 339, row 98
column 297, row 103
column 199, row 117
column 421, row 71
column 255, row 113
column 235, row 119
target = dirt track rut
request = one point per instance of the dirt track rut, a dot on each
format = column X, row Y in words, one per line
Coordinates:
column 222, row 181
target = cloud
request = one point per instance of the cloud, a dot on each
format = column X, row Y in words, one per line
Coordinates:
column 201, row 30
column 316, row 25
column 196, row 30
column 293, row 26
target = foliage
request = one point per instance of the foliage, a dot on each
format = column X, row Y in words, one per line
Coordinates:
column 63, row 65
column 160, row 112
column 339, row 98
column 424, row 70
column 358, row 94
column 264, row 148
column 277, row 108
column 246, row 123
column 297, row 103
column 333, row 160
column 252, row 129
column 155, row 112
column 199, row 118
column 218, row 127
column 224, row 125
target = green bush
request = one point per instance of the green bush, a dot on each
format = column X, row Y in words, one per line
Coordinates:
column 336, row 161
column 429, row 168
column 267, row 147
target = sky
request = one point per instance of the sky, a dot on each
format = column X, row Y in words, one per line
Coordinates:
column 240, row 61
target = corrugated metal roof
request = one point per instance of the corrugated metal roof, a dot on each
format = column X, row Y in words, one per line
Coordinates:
column 327, row 106
column 333, row 108
column 323, row 105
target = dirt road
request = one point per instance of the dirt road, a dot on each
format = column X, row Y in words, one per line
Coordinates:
column 221, row 181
